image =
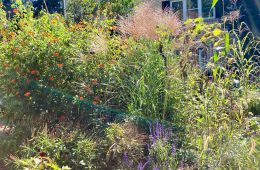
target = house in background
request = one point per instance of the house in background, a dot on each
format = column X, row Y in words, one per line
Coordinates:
column 189, row 9
column 249, row 10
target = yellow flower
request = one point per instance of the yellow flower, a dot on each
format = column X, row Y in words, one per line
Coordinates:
column 54, row 22
column 12, row 34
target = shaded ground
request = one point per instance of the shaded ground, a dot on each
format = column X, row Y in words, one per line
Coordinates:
column 3, row 133
column 2, row 167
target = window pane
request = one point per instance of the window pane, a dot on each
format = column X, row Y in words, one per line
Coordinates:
column 206, row 6
column 192, row 6
column 165, row 4
column 178, row 6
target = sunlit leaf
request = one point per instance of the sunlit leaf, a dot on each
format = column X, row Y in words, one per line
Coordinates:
column 217, row 32
column 227, row 42
column 216, row 57
column 214, row 2
column 188, row 21
column 200, row 19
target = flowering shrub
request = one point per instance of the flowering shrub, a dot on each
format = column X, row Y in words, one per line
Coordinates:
column 47, row 52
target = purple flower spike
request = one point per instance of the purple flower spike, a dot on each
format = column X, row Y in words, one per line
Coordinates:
column 156, row 168
column 158, row 131
column 173, row 150
column 140, row 166
column 182, row 165
column 126, row 158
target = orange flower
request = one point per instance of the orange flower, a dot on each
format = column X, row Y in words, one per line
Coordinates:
column 13, row 81
column 31, row 33
column 97, row 99
column 27, row 94
column 15, row 11
column 34, row 72
column 6, row 65
column 55, row 40
column 81, row 98
column 60, row 65
column 101, row 66
column 94, row 103
column 12, row 34
column 113, row 28
column 94, row 82
column 51, row 78
column 56, row 54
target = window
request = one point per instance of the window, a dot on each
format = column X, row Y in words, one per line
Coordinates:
column 178, row 6
column 191, row 8
column 206, row 9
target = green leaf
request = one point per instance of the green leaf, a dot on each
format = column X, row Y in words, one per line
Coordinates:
column 199, row 20
column 227, row 42
column 214, row 2
column 215, row 58
column 188, row 21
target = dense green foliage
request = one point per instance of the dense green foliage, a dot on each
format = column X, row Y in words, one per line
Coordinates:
column 55, row 74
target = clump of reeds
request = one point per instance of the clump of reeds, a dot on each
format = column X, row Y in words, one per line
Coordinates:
column 147, row 19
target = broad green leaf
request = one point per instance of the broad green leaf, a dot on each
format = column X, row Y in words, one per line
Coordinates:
column 227, row 42
column 215, row 71
column 220, row 73
column 53, row 166
column 214, row 2
column 200, row 20
column 215, row 57
column 217, row 32
column 218, row 42
column 188, row 21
